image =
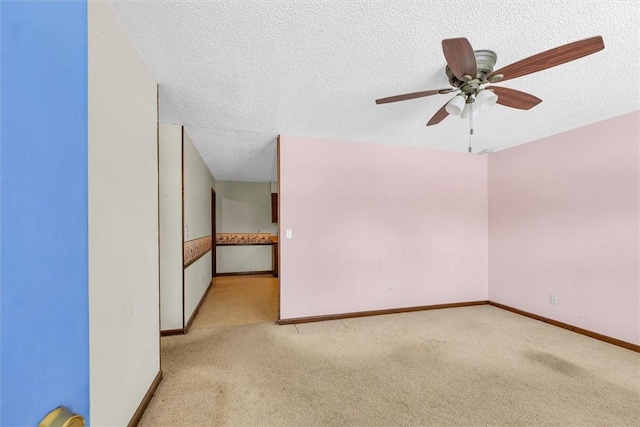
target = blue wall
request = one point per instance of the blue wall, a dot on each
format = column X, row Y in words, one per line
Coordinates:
column 44, row 321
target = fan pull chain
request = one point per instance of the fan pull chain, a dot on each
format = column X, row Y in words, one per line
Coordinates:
column 470, row 130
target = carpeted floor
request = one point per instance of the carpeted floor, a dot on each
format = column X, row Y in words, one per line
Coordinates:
column 239, row 300
column 472, row 366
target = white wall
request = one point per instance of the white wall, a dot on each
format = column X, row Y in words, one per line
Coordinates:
column 196, row 278
column 123, row 222
column 198, row 183
column 170, row 162
column 244, row 207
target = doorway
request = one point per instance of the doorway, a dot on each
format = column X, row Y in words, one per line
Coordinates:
column 251, row 295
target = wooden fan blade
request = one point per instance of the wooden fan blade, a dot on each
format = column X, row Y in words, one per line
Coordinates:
column 551, row 58
column 439, row 116
column 413, row 95
column 460, row 57
column 514, row 98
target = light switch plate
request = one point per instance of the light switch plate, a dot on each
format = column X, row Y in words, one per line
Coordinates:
column 289, row 233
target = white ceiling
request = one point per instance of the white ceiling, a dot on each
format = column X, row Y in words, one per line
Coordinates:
column 238, row 73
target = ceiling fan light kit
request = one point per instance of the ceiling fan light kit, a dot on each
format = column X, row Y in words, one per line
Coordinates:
column 470, row 110
column 456, row 105
column 461, row 105
column 468, row 71
column 486, row 98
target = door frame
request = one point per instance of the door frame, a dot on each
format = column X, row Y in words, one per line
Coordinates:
column 214, row 262
column 279, row 226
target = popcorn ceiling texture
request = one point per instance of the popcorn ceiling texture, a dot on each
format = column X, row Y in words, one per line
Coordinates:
column 237, row 74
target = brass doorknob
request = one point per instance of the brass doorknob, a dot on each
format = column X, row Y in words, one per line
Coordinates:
column 62, row 417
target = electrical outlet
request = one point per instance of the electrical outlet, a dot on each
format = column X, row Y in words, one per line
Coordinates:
column 553, row 299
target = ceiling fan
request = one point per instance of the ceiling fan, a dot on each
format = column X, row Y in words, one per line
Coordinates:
column 468, row 71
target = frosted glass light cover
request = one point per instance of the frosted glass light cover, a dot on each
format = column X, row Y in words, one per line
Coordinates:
column 471, row 108
column 455, row 105
column 486, row 99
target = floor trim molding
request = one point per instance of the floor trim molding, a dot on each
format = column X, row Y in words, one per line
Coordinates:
column 605, row 338
column 195, row 312
column 591, row 334
column 169, row 332
column 376, row 312
column 245, row 273
column 145, row 400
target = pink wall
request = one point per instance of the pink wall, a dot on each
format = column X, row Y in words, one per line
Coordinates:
column 564, row 220
column 379, row 227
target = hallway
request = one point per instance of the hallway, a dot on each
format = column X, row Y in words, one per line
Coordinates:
column 239, row 300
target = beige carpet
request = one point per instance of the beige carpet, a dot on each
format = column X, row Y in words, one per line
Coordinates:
column 469, row 366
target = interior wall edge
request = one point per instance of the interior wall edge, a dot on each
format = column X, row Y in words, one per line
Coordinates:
column 171, row 245
column 123, row 184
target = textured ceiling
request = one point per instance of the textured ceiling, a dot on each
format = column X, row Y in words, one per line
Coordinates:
column 238, row 73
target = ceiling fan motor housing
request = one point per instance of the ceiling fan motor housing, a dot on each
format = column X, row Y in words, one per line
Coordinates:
column 485, row 60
